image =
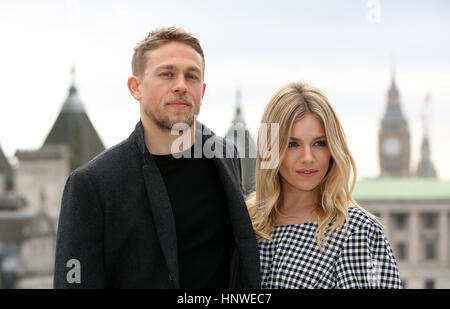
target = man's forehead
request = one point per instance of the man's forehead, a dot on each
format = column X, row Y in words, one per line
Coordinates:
column 173, row 52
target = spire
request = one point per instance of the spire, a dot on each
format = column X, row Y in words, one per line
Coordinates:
column 425, row 113
column 73, row 127
column 393, row 114
column 238, row 116
column 238, row 99
column 239, row 135
column 72, row 89
column 73, row 103
column 426, row 167
column 393, row 91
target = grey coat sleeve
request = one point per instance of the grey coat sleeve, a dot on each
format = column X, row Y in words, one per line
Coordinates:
column 79, row 261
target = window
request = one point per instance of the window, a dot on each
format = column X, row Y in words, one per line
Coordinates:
column 430, row 251
column 401, row 251
column 430, row 220
column 400, row 220
column 430, row 284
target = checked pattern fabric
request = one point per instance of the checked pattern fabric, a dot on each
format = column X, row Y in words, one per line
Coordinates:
column 360, row 257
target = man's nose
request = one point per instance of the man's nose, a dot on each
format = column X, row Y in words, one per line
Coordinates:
column 180, row 85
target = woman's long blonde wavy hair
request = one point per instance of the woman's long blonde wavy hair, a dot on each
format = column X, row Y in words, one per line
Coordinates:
column 288, row 105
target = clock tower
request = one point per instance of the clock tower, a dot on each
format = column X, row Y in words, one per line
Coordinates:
column 393, row 138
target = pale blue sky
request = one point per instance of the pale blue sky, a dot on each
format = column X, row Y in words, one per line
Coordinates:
column 255, row 45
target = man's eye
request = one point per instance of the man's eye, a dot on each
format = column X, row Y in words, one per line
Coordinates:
column 166, row 74
column 292, row 144
column 190, row 76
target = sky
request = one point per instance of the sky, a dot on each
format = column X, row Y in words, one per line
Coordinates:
column 348, row 49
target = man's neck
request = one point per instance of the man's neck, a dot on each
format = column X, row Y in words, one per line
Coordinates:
column 160, row 141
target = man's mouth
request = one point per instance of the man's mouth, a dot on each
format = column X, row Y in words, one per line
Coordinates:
column 178, row 104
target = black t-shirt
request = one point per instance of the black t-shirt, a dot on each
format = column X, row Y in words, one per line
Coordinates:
column 201, row 217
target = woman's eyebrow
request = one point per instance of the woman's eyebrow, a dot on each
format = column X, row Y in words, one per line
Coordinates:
column 314, row 139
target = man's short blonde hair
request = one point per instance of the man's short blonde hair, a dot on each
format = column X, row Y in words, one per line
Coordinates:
column 160, row 37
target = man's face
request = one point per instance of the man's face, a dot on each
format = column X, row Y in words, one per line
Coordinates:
column 171, row 88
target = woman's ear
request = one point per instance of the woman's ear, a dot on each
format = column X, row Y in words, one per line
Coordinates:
column 134, row 86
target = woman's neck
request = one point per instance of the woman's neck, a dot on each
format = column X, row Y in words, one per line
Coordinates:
column 297, row 206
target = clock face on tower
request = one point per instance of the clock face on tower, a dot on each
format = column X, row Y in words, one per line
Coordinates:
column 392, row 147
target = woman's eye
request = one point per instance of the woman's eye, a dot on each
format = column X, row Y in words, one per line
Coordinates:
column 292, row 144
column 320, row 143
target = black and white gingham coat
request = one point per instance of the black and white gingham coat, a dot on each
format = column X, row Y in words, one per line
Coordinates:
column 358, row 258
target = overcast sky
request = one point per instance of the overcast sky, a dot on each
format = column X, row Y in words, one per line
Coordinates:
column 345, row 48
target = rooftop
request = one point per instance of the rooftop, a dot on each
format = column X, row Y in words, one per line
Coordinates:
column 74, row 128
column 402, row 189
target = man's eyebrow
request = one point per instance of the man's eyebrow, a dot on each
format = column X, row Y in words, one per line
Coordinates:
column 171, row 67
column 165, row 67
column 314, row 139
column 195, row 69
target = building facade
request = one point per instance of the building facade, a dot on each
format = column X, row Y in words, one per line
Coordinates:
column 412, row 203
column 415, row 214
column 39, row 180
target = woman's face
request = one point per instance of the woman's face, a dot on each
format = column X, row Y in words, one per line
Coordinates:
column 308, row 157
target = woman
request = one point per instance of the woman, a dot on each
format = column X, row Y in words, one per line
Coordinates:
column 311, row 232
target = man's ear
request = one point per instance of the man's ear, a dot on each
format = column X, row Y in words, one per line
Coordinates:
column 134, row 86
column 203, row 90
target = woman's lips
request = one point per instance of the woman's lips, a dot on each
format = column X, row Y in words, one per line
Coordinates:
column 307, row 173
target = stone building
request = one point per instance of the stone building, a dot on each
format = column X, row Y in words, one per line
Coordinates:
column 415, row 213
column 6, row 174
column 238, row 134
column 14, row 216
column 39, row 179
column 412, row 203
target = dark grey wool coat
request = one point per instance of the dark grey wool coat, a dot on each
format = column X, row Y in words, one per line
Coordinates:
column 117, row 222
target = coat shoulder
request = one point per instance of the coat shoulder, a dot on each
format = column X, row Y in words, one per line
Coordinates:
column 111, row 160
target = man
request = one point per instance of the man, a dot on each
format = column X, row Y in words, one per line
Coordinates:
column 136, row 216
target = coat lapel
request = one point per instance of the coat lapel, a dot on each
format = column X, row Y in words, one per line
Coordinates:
column 163, row 217
column 158, row 197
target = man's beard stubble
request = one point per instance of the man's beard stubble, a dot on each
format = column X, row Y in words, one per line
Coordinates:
column 162, row 119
